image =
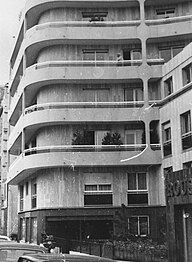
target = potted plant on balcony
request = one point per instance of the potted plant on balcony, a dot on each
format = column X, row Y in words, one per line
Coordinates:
column 112, row 139
column 78, row 138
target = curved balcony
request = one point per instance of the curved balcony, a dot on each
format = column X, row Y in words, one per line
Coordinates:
column 76, row 112
column 169, row 27
column 59, row 72
column 62, row 71
column 169, row 20
column 80, row 156
column 72, row 31
column 34, row 8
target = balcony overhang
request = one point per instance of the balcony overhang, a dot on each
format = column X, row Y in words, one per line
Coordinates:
column 54, row 157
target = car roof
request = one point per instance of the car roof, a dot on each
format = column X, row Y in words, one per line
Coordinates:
column 16, row 245
column 65, row 257
column 43, row 257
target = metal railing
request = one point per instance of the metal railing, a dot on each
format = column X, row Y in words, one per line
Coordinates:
column 61, row 105
column 168, row 20
column 84, row 148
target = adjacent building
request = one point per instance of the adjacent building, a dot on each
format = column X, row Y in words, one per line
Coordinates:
column 175, row 115
column 91, row 90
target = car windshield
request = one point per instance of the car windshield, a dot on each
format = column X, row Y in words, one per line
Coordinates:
column 12, row 255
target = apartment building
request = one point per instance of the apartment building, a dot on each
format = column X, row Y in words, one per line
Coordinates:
column 175, row 118
column 84, row 139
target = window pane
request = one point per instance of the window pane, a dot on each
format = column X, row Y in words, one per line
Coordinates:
column 128, row 94
column 133, row 226
column 104, row 187
column 130, row 139
column 136, row 55
column 90, row 187
column 89, row 56
column 132, row 185
column 165, row 54
column 142, row 183
column 22, row 224
column 177, row 50
column 34, row 230
column 138, row 199
column 100, row 56
column 143, row 226
column 94, row 200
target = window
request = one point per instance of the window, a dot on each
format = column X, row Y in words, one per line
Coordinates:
column 27, row 188
column 95, row 54
column 22, row 229
column 165, row 12
column 187, row 165
column 167, row 53
column 167, row 148
column 137, row 189
column 33, row 230
column 98, row 194
column 133, row 137
column 96, row 94
column 132, row 54
column 33, row 194
column 133, row 94
column 138, row 226
column 94, row 16
column 187, row 74
column 99, row 135
column 21, row 197
column 186, row 134
column 168, row 86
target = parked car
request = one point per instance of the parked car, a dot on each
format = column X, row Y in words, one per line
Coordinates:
column 4, row 238
column 10, row 251
column 62, row 258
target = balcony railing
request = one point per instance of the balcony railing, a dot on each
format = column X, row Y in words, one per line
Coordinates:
column 91, row 63
column 60, row 105
column 86, row 24
column 168, row 20
column 80, row 63
column 84, row 148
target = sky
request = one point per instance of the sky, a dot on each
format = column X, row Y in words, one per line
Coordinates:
column 9, row 25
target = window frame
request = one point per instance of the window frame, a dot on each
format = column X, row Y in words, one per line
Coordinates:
column 34, row 194
column 138, row 225
column 167, row 138
column 168, row 86
column 187, row 74
column 89, row 15
column 186, row 130
column 171, row 51
column 98, row 192
column 95, row 52
column 137, row 191
column 21, row 197
column 165, row 12
column 135, row 92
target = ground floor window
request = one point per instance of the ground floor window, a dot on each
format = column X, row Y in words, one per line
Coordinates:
column 98, row 194
column 138, row 225
column 33, row 238
column 22, row 229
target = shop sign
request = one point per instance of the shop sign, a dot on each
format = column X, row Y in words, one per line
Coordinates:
column 179, row 188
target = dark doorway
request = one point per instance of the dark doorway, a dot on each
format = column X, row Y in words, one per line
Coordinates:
column 183, row 230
